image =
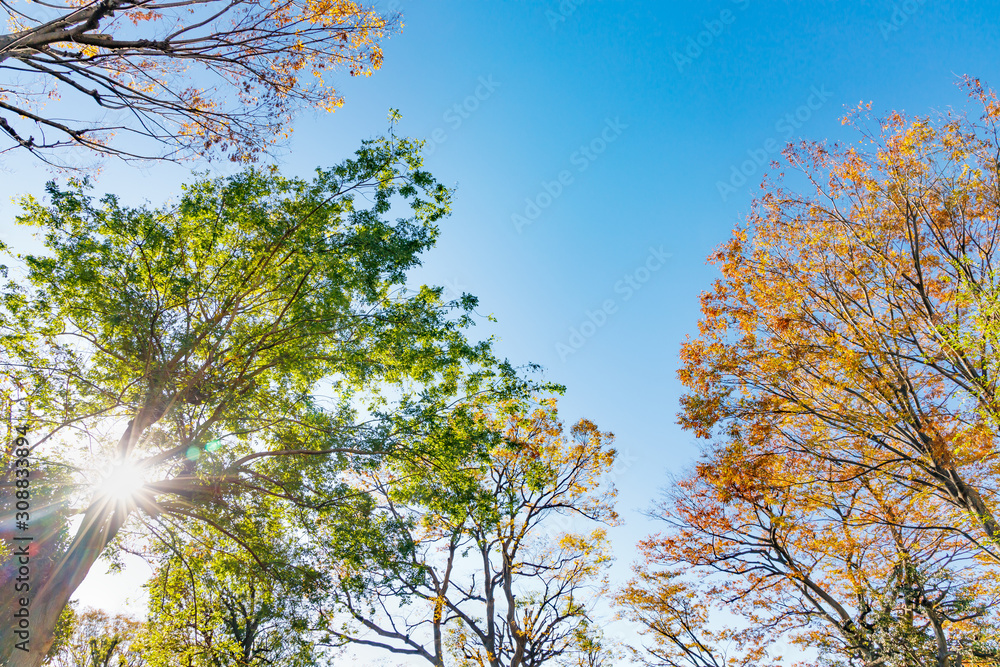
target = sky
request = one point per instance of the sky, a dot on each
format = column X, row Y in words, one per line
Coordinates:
column 601, row 150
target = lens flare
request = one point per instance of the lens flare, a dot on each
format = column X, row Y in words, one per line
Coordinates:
column 123, row 483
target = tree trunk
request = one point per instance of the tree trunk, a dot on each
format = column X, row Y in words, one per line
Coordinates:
column 48, row 599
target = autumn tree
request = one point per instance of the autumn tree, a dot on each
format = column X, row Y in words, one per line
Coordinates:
column 169, row 357
column 477, row 562
column 593, row 647
column 856, row 325
column 673, row 619
column 845, row 371
column 837, row 566
column 140, row 79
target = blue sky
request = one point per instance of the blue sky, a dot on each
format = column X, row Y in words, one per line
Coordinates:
column 617, row 121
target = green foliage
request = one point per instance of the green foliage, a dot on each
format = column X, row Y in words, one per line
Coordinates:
column 94, row 638
column 64, row 630
column 211, row 607
column 190, row 344
column 470, row 553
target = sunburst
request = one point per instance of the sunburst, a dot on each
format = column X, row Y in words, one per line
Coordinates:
column 123, row 484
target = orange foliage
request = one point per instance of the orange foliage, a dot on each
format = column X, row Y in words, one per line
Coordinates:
column 846, row 370
column 199, row 78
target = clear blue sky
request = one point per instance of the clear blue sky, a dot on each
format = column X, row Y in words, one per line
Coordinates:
column 666, row 97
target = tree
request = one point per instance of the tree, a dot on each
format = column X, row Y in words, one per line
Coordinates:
column 472, row 565
column 674, row 617
column 841, row 568
column 65, row 626
column 33, row 530
column 140, row 79
column 99, row 639
column 209, row 607
column 858, row 325
column 170, row 356
column 593, row 648
column 845, row 369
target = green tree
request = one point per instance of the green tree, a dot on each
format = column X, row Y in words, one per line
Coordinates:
column 476, row 562
column 99, row 639
column 210, row 607
column 173, row 357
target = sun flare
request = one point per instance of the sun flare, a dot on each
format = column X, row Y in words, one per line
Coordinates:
column 123, row 482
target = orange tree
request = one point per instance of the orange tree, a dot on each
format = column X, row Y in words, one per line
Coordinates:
column 845, row 370
column 165, row 79
column 833, row 562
